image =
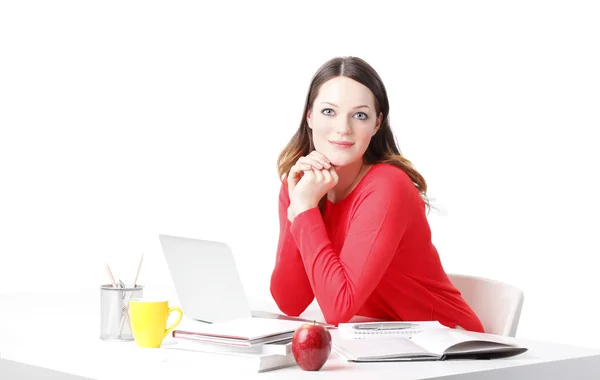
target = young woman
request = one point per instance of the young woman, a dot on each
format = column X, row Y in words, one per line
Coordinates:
column 353, row 227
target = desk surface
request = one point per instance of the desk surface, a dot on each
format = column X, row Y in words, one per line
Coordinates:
column 60, row 332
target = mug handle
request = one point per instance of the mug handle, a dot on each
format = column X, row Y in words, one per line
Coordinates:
column 172, row 309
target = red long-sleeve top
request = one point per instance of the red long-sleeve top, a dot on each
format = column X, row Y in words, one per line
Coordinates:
column 369, row 254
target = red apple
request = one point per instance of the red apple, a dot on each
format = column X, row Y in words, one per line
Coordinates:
column 311, row 346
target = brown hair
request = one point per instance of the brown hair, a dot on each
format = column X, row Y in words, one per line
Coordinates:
column 381, row 149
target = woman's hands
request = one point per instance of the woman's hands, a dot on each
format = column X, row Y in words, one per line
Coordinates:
column 308, row 181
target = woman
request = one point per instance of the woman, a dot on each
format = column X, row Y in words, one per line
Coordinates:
column 353, row 228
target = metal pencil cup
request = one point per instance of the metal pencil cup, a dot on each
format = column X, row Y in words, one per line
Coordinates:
column 114, row 312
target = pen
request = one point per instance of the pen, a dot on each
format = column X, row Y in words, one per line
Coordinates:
column 386, row 326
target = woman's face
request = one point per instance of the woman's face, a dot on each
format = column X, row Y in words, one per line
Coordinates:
column 343, row 120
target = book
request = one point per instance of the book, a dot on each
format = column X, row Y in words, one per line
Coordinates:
column 186, row 355
column 283, row 347
column 384, row 329
column 245, row 332
column 432, row 344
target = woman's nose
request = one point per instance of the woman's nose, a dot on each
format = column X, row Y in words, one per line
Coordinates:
column 343, row 127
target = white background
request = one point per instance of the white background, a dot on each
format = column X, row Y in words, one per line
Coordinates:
column 124, row 120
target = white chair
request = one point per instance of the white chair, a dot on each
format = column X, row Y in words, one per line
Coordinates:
column 498, row 305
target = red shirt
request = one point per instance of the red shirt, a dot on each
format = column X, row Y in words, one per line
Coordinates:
column 369, row 254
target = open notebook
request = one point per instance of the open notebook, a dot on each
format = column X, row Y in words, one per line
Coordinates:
column 433, row 344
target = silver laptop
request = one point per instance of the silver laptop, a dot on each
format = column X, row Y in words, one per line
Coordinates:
column 206, row 279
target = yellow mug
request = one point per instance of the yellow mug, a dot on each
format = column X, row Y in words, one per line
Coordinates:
column 149, row 321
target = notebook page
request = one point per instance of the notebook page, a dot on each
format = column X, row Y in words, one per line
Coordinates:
column 439, row 341
column 356, row 349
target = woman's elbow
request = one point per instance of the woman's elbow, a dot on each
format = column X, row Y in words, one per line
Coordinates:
column 335, row 317
column 288, row 304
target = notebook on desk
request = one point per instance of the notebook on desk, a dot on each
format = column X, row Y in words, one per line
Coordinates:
column 432, row 344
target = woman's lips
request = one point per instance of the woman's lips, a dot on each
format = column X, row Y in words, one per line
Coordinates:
column 341, row 144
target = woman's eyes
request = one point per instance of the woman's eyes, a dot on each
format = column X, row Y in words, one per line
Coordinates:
column 358, row 115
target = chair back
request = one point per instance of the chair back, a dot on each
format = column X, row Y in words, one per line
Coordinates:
column 498, row 305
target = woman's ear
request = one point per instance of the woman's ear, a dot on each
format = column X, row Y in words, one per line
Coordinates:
column 308, row 118
column 378, row 124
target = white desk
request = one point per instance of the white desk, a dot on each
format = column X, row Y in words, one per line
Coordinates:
column 56, row 336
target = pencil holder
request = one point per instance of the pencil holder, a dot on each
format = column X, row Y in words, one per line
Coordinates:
column 114, row 311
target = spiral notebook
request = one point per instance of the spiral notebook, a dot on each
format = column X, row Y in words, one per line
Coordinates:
column 429, row 344
column 373, row 330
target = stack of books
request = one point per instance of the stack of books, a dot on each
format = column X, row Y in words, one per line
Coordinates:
column 265, row 343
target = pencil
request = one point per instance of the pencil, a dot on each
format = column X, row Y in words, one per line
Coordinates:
column 138, row 271
column 126, row 306
column 112, row 279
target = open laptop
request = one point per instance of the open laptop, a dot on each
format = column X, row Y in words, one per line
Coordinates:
column 206, row 279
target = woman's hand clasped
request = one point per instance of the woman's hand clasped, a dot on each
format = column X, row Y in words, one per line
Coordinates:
column 308, row 181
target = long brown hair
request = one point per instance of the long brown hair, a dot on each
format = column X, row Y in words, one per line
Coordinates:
column 381, row 149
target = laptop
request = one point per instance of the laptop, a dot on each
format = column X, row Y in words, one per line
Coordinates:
column 206, row 279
